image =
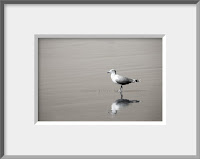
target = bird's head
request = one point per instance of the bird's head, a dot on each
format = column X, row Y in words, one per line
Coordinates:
column 112, row 71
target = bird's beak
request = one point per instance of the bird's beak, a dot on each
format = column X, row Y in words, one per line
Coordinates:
column 108, row 72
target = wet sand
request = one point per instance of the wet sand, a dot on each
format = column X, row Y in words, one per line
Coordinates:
column 74, row 84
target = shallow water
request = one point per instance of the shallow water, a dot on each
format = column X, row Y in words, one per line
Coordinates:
column 74, row 84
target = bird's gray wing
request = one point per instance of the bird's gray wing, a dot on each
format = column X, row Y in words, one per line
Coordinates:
column 123, row 80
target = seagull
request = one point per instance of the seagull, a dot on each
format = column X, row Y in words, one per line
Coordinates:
column 120, row 79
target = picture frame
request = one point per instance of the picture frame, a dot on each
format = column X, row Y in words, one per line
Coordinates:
column 2, row 72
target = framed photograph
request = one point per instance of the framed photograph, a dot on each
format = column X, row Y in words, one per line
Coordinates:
column 99, row 79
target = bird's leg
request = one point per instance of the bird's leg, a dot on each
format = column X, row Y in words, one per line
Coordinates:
column 120, row 90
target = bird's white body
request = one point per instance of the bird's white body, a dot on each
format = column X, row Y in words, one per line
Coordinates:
column 114, row 77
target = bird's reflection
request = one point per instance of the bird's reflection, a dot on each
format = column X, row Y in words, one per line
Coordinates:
column 120, row 104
